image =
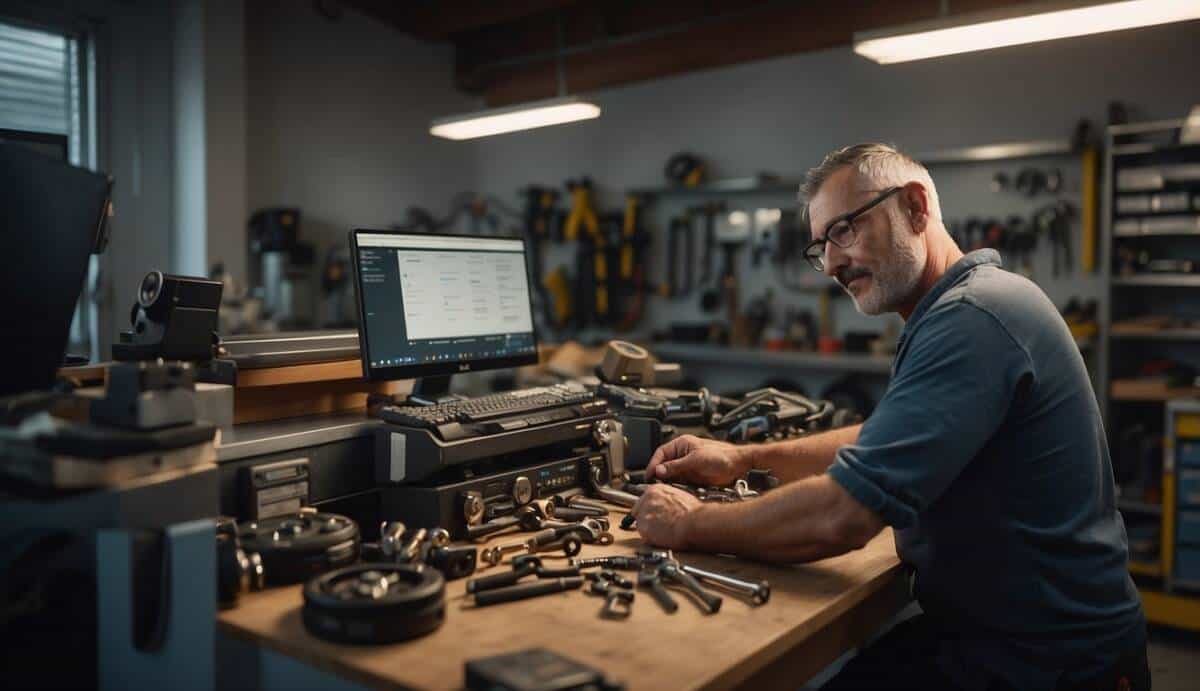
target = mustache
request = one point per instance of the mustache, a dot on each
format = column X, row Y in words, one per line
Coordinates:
column 846, row 275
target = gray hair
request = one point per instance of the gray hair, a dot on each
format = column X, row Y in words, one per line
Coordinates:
column 883, row 165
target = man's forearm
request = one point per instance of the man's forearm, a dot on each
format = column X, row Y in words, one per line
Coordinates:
column 804, row 457
column 804, row 521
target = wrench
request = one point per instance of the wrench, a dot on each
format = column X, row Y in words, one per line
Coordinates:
column 609, row 494
column 672, row 572
column 758, row 591
column 650, row 580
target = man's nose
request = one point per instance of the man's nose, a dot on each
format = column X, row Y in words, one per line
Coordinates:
column 835, row 259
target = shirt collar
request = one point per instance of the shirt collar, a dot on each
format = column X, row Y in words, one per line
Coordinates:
column 952, row 276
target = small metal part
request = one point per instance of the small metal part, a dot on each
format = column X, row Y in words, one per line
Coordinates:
column 390, row 534
column 412, row 548
column 613, row 562
column 570, row 545
column 526, row 560
column 618, row 604
column 522, row 490
column 545, row 506
column 439, row 537
column 472, row 507
column 495, row 555
column 743, row 491
column 629, row 522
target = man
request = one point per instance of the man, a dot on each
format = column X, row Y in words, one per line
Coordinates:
column 986, row 455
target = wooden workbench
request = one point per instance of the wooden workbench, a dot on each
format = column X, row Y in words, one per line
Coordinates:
column 816, row 612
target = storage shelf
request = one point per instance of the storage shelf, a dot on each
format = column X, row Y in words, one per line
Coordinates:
column 840, row 362
column 1149, row 390
column 1162, row 280
column 1146, row 568
column 1135, row 506
column 752, row 185
column 1159, row 335
column 997, row 152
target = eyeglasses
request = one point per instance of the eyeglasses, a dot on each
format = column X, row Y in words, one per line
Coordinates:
column 841, row 231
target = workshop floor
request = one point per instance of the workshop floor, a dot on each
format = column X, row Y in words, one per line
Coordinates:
column 1174, row 659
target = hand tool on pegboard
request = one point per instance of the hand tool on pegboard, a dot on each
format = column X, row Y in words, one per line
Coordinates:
column 634, row 241
column 542, row 218
column 1084, row 141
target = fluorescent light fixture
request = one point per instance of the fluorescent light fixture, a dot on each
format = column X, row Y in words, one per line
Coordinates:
column 484, row 123
column 1030, row 23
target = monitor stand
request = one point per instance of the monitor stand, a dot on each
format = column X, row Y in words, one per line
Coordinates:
column 432, row 390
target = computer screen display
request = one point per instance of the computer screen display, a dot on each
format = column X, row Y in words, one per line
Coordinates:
column 440, row 304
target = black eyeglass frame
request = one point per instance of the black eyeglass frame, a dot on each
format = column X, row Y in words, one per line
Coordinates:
column 818, row 261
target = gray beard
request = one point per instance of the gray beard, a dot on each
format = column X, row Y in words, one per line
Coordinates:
column 895, row 282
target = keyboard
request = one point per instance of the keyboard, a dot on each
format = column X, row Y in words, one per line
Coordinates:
column 496, row 413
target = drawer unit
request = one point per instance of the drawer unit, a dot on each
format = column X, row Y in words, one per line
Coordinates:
column 1187, row 425
column 1188, row 529
column 1189, row 488
column 1187, row 453
column 1187, row 564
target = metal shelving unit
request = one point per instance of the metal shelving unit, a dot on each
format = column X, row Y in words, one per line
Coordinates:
column 785, row 359
column 1159, row 281
column 1142, row 332
column 770, row 184
column 1183, row 335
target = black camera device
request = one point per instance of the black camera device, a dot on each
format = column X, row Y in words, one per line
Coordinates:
column 174, row 318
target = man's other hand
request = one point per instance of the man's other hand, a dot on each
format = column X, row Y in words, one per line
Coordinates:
column 662, row 514
column 700, row 461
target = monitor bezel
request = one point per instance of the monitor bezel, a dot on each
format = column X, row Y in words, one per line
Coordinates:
column 434, row 369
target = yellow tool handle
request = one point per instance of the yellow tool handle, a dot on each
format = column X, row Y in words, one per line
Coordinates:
column 559, row 286
column 1089, row 197
column 628, row 230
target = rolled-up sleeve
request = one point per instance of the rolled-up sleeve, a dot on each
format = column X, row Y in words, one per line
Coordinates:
column 952, row 390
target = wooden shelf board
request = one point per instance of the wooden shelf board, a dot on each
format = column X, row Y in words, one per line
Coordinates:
column 1149, row 390
column 1144, row 568
column 1159, row 280
column 849, row 362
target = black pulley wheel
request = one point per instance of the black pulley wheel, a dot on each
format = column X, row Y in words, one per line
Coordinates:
column 375, row 603
column 300, row 546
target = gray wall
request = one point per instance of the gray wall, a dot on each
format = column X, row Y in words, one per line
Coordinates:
column 783, row 114
column 225, row 113
column 338, row 120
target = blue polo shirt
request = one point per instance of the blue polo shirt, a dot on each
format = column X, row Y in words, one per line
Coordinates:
column 987, row 455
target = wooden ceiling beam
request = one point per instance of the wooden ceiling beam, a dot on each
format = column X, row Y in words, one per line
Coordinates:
column 720, row 35
column 441, row 20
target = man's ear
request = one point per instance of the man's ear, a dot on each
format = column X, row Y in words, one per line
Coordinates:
column 914, row 202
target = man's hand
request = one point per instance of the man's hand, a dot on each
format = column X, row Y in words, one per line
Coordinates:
column 701, row 461
column 662, row 513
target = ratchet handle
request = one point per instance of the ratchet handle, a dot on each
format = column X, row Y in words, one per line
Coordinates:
column 662, row 596
column 498, row 580
column 526, row 590
column 492, row 526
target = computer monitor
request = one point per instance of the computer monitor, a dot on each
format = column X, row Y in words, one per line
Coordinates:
column 46, row 144
column 435, row 305
column 51, row 216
